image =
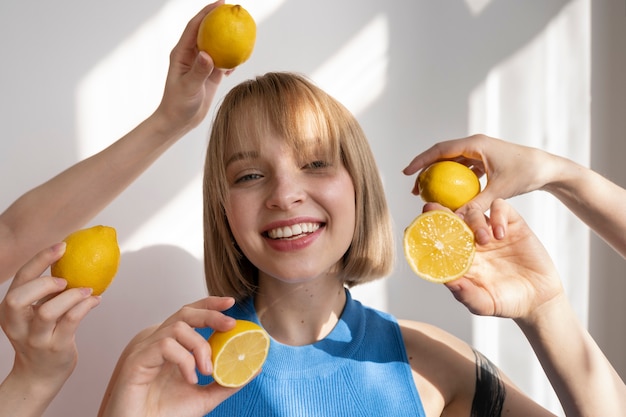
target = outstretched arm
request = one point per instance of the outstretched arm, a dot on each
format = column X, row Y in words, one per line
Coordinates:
column 513, row 169
column 51, row 211
column 514, row 277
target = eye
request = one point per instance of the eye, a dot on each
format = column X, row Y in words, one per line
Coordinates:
column 318, row 164
column 247, row 177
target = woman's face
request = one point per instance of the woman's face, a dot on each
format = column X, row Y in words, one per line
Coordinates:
column 292, row 217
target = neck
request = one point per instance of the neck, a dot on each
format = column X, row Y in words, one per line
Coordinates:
column 299, row 313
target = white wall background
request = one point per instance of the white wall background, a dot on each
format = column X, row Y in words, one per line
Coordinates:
column 76, row 75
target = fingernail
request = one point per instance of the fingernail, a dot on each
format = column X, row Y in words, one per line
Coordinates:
column 209, row 367
column 454, row 287
column 499, row 232
column 59, row 247
column 60, row 282
column 86, row 291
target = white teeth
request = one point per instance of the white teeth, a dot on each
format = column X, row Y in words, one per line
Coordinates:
column 293, row 230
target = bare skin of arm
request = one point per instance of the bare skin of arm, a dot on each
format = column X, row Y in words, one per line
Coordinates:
column 447, row 381
column 54, row 209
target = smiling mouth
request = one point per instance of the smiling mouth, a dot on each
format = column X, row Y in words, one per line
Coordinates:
column 294, row 231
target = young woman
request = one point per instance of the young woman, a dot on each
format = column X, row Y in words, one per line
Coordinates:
column 295, row 214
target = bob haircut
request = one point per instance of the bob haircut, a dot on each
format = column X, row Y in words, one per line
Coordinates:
column 284, row 104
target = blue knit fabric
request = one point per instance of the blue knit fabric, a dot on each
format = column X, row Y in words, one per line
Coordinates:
column 359, row 369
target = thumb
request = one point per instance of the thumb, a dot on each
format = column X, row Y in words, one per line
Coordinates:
column 473, row 213
column 481, row 202
column 202, row 68
column 473, row 297
column 214, row 394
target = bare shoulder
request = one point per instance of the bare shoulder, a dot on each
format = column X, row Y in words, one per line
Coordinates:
column 422, row 339
column 445, row 371
column 444, row 366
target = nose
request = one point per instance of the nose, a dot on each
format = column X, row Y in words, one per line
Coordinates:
column 286, row 192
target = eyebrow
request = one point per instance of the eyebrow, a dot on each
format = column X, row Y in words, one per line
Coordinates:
column 238, row 156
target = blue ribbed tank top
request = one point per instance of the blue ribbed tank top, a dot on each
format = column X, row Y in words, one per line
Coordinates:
column 359, row 369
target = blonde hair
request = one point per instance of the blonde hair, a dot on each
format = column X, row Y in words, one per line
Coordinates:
column 280, row 102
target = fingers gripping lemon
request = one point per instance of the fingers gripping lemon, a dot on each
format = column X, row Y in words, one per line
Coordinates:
column 228, row 34
column 239, row 353
column 448, row 183
column 91, row 259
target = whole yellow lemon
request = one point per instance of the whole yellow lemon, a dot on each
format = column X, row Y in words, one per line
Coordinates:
column 228, row 34
column 91, row 259
column 448, row 183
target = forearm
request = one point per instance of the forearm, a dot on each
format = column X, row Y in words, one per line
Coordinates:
column 20, row 397
column 66, row 202
column 584, row 380
column 593, row 198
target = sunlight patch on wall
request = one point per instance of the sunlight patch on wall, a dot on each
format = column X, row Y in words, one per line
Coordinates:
column 260, row 10
column 127, row 84
column 476, row 7
column 125, row 88
column 356, row 74
column 183, row 217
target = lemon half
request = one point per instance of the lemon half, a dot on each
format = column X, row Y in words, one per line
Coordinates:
column 239, row 353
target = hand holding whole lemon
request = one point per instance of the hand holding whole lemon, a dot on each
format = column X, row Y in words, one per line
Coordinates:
column 91, row 259
column 448, row 183
column 227, row 33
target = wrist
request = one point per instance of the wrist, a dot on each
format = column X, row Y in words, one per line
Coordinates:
column 547, row 317
column 165, row 127
column 564, row 176
column 26, row 395
column 35, row 384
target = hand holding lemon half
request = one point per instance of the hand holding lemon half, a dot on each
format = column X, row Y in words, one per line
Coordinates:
column 438, row 245
column 239, row 353
column 91, row 259
column 228, row 34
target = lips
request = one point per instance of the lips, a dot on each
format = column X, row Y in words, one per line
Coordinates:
column 293, row 231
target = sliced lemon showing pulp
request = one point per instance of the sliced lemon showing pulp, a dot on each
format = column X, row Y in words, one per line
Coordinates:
column 239, row 353
column 439, row 246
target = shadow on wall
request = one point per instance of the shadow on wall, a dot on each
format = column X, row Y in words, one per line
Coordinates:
column 151, row 284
